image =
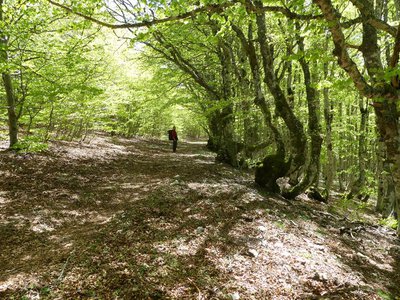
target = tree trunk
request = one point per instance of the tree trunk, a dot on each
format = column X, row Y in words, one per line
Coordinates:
column 251, row 136
column 12, row 116
column 330, row 167
column 297, row 135
column 387, row 118
column 229, row 147
column 272, row 166
column 8, row 86
column 386, row 188
column 397, row 5
column 221, row 137
column 359, row 184
column 314, row 129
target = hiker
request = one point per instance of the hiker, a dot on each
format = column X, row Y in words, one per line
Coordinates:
column 174, row 137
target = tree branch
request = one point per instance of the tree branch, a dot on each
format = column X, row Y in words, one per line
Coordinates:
column 340, row 50
column 212, row 8
column 192, row 13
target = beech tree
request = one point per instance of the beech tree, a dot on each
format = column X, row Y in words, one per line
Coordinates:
column 382, row 81
column 240, row 62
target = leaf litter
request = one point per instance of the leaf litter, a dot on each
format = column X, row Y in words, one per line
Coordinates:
column 128, row 219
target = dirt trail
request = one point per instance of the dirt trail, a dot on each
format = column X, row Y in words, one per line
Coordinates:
column 129, row 219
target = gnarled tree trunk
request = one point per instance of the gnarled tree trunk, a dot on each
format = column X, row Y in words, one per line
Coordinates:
column 272, row 166
column 314, row 128
column 384, row 95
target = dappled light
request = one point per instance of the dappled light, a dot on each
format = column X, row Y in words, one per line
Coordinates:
column 212, row 149
column 140, row 221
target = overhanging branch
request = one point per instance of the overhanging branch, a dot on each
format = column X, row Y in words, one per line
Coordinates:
column 212, row 8
column 192, row 13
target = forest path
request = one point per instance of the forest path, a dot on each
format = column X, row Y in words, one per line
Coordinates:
column 128, row 219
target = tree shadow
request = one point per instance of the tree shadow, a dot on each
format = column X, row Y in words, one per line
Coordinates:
column 141, row 222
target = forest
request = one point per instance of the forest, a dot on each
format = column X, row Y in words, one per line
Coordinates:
column 286, row 180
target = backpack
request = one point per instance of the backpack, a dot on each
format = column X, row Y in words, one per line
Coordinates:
column 170, row 135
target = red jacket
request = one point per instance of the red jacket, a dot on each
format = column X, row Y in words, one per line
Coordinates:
column 174, row 135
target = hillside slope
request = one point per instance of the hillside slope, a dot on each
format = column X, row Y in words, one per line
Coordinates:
column 128, row 219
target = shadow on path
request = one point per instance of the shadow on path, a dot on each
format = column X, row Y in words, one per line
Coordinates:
column 129, row 219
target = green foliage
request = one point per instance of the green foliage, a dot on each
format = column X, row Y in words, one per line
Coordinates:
column 354, row 210
column 389, row 222
column 72, row 77
column 280, row 224
column 30, row 144
column 386, row 295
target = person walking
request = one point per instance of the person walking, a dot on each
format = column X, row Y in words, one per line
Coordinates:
column 174, row 136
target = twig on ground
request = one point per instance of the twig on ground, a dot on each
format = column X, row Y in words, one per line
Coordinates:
column 200, row 297
column 60, row 277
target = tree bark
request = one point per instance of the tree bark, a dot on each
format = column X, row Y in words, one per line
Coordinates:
column 387, row 118
column 228, row 151
column 330, row 167
column 297, row 135
column 12, row 116
column 359, row 184
column 314, row 129
column 272, row 166
column 8, row 86
column 385, row 96
column 386, row 188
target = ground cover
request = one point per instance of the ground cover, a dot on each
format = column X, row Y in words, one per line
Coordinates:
column 118, row 218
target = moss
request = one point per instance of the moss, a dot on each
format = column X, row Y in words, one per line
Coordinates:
column 272, row 168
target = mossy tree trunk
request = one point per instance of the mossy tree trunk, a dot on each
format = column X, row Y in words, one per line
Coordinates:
column 228, row 150
column 313, row 167
column 359, row 184
column 272, row 166
column 386, row 188
column 283, row 109
column 385, row 96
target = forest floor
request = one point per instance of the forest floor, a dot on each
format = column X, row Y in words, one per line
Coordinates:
column 128, row 219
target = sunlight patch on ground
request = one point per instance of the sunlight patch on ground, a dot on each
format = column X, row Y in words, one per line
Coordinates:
column 179, row 291
column 97, row 148
column 59, row 192
column 196, row 216
column 18, row 280
column 82, row 217
column 5, row 174
column 278, row 252
column 4, row 201
column 18, row 220
column 77, row 278
column 161, row 225
column 204, row 162
column 196, row 142
column 209, row 189
column 182, row 246
column 251, row 196
column 129, row 185
column 41, row 227
column 72, row 213
column 95, row 217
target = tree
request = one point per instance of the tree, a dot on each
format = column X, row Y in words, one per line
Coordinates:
column 226, row 21
column 375, row 85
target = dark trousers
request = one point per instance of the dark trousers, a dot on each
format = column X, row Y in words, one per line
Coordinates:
column 174, row 145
